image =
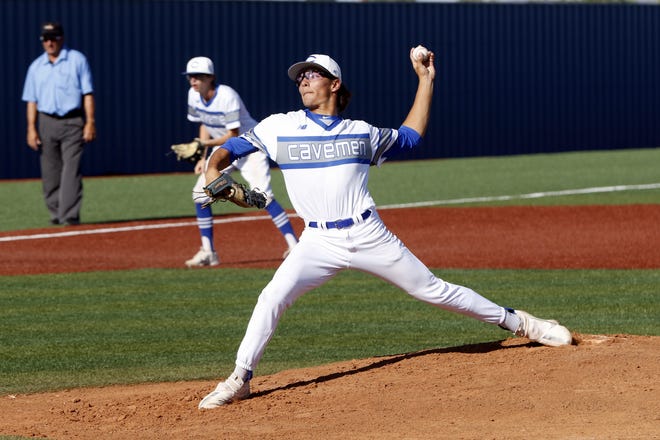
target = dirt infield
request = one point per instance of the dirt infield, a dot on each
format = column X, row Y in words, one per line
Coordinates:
column 602, row 387
column 588, row 237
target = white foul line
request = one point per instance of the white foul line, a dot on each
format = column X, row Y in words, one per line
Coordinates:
column 129, row 228
column 534, row 195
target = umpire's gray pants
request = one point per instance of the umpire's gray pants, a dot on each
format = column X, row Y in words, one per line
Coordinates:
column 61, row 150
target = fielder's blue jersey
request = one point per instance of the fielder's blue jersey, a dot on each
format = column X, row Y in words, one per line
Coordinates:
column 325, row 160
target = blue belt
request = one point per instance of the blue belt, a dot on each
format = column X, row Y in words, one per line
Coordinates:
column 340, row 224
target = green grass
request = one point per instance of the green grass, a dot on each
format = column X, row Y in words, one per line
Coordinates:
column 510, row 175
column 112, row 199
column 70, row 330
column 85, row 329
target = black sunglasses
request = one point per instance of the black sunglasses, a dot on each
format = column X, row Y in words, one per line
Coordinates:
column 310, row 74
column 50, row 38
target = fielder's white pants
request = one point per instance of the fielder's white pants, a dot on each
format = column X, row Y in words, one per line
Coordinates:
column 369, row 247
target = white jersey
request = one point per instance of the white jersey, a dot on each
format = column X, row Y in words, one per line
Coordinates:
column 224, row 112
column 325, row 167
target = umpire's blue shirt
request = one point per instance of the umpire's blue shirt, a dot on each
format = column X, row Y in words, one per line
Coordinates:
column 58, row 87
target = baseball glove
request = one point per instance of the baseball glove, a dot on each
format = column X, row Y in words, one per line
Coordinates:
column 225, row 188
column 192, row 151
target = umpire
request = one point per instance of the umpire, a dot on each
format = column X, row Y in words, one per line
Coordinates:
column 60, row 119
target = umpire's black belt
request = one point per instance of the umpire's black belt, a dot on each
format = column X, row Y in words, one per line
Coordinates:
column 339, row 224
column 75, row 113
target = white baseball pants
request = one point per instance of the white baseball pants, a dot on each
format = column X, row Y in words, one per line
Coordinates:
column 369, row 247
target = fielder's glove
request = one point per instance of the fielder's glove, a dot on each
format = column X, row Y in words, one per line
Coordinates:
column 192, row 151
column 225, row 188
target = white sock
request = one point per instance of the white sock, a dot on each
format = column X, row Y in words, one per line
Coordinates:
column 244, row 374
column 511, row 320
column 290, row 240
column 206, row 244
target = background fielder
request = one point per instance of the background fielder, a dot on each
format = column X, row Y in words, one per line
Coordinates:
column 222, row 115
column 326, row 160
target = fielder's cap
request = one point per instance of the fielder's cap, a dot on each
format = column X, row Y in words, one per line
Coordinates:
column 323, row 62
column 52, row 29
column 199, row 65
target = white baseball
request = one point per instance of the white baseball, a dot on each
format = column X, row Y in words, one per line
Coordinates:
column 420, row 53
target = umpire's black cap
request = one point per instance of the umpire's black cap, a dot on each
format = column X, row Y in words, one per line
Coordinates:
column 52, row 29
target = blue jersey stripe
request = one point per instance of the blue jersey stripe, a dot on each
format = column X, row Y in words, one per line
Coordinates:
column 303, row 165
column 321, row 138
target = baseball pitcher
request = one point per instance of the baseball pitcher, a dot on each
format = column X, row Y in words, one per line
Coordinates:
column 325, row 160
